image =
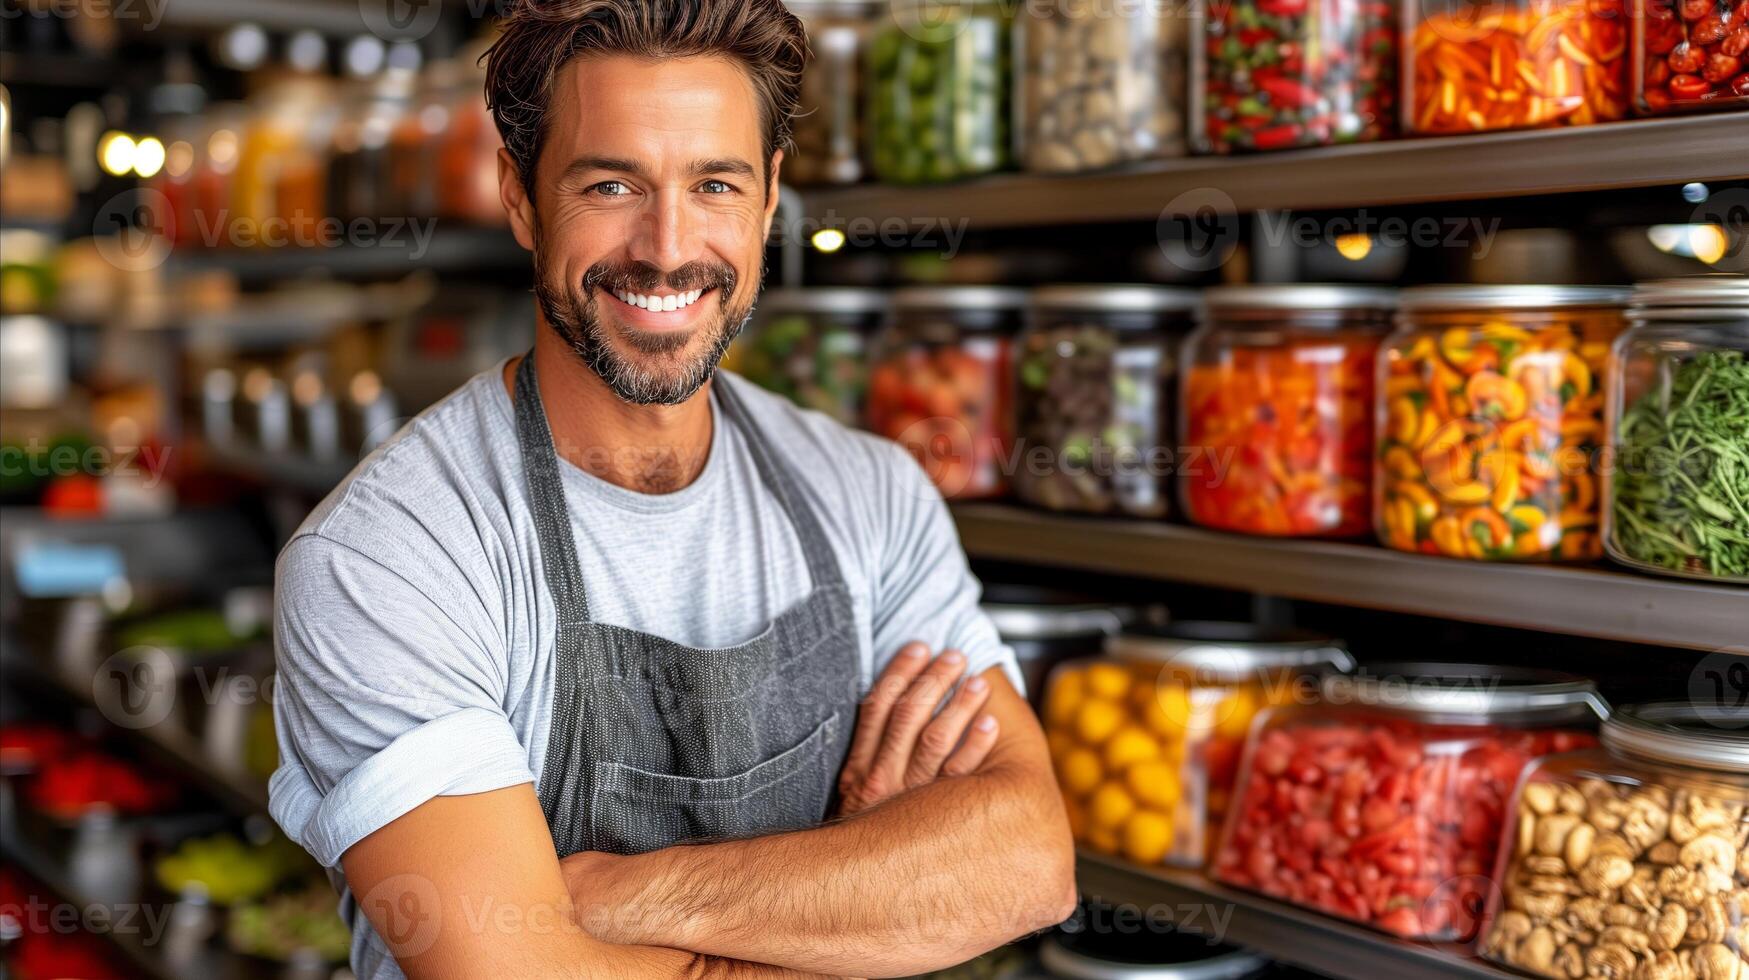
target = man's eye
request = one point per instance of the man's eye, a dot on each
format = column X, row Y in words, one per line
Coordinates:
column 715, row 187
column 610, row 188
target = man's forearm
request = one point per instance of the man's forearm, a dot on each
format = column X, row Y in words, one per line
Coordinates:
column 930, row 878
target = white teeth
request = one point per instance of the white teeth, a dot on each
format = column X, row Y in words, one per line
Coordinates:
column 642, row 301
column 670, row 302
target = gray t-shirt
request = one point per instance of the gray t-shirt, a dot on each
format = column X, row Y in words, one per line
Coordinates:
column 414, row 630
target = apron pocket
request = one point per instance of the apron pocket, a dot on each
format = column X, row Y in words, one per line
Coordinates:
column 637, row 810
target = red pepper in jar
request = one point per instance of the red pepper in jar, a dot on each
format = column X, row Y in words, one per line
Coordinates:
column 1694, row 53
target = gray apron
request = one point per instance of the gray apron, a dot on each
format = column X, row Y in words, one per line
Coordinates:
column 655, row 743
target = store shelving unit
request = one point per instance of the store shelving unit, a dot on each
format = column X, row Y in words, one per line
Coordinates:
column 1618, row 156
column 452, row 248
column 1580, row 600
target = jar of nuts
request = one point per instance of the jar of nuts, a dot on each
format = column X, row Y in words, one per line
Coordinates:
column 1101, row 83
column 1632, row 860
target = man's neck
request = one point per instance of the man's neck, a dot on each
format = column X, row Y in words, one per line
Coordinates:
column 645, row 448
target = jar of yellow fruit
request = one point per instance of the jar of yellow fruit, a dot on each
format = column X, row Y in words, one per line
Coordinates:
column 1146, row 739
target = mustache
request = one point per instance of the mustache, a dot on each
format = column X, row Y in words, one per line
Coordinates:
column 642, row 277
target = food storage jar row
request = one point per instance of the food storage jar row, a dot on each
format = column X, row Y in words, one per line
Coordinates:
column 918, row 91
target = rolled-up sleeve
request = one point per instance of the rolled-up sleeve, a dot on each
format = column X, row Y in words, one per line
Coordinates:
column 387, row 695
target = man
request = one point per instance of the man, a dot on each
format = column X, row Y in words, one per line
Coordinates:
column 569, row 671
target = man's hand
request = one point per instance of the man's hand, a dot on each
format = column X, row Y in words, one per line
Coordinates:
column 900, row 741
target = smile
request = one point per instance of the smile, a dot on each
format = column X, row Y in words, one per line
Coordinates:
column 662, row 303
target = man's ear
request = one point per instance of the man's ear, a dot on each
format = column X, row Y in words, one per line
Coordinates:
column 516, row 200
column 771, row 191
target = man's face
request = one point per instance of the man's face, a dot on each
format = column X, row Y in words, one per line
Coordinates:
column 648, row 217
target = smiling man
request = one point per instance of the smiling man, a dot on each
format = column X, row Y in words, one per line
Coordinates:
column 612, row 665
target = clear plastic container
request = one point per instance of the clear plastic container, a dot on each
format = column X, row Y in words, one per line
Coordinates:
column 1101, row 83
column 1277, row 393
column 828, row 129
column 1690, row 54
column 1490, row 421
column 1383, row 803
column 811, row 346
column 1632, row 860
column 1146, row 739
column 1045, row 627
column 1677, row 500
column 1478, row 65
column 1277, row 74
column 1094, row 373
column 940, row 383
column 937, row 92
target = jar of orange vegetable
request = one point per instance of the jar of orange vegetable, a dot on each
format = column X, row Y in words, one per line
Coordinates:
column 1276, row 409
column 1473, row 66
column 1147, row 739
column 1490, row 420
column 940, row 384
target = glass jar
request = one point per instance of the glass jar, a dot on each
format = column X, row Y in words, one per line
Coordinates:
column 1045, row 627
column 416, row 139
column 940, row 383
column 1146, row 740
column 360, row 184
column 937, row 93
column 1490, row 419
column 828, row 130
column 1101, row 83
column 810, row 346
column 1383, row 802
column 1632, row 859
column 215, row 170
column 1276, row 405
column 1477, row 65
column 1677, row 501
column 1690, row 54
column 1094, row 371
column 467, row 159
column 1275, row 74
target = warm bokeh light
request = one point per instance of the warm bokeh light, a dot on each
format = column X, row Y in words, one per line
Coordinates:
column 148, row 157
column 828, row 240
column 1354, row 247
column 115, row 153
column 179, row 158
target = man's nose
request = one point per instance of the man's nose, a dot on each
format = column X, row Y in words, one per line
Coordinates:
column 669, row 233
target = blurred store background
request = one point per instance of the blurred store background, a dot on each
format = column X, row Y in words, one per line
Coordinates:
column 1063, row 251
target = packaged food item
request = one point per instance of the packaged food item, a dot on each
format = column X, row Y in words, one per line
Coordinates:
column 1632, row 860
column 1276, row 74
column 1101, row 82
column 1690, row 54
column 1472, row 66
column 940, row 383
column 1146, row 740
column 1044, row 627
column 76, row 783
column 467, row 158
column 1677, row 501
column 416, row 139
column 937, row 99
column 275, row 137
column 811, row 346
column 1094, row 390
column 1277, row 396
column 226, row 870
column 1490, row 420
column 1384, row 802
column 827, row 131
column 360, row 184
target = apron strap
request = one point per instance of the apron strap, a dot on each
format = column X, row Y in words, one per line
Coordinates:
column 552, row 521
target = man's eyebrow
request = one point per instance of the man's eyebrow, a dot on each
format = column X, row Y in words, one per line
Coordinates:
column 731, row 166
column 582, row 165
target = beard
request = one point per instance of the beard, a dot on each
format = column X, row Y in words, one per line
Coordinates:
column 643, row 368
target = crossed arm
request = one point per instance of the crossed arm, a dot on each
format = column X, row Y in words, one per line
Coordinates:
column 940, row 854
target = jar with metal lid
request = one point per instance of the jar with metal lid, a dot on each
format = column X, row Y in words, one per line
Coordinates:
column 1100, row 83
column 1490, row 420
column 1677, row 500
column 1690, row 55
column 1146, row 740
column 1474, row 66
column 937, row 91
column 1276, row 414
column 1045, row 627
column 811, row 346
column 1383, row 801
column 1094, row 377
column 828, row 128
column 1632, row 859
column 940, row 383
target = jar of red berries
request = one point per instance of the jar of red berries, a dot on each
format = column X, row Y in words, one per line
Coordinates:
column 1690, row 54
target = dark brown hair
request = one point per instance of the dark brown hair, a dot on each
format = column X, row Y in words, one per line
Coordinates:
column 539, row 36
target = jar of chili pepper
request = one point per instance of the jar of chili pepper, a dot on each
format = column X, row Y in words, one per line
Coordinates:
column 1677, row 501
column 1690, row 54
column 1276, row 74
column 940, row 383
column 1475, row 65
column 828, row 129
column 1276, row 409
column 811, row 346
column 1490, row 420
column 1094, row 386
column 1146, row 740
column 937, row 91
column 1383, row 802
